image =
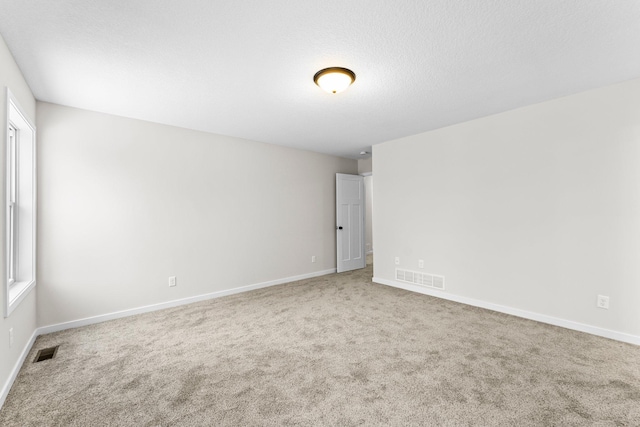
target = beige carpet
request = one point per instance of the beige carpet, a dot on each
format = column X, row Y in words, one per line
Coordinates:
column 335, row 350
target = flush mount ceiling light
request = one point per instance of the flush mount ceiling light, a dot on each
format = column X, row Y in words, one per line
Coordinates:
column 334, row 79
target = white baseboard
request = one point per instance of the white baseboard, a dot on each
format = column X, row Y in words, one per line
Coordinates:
column 576, row 326
column 175, row 303
column 16, row 368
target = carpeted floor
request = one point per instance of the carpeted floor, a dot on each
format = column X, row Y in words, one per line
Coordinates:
column 335, row 350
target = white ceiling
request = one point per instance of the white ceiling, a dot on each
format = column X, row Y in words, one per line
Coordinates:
column 245, row 68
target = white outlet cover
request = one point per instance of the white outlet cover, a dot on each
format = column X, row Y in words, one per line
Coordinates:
column 172, row 280
column 313, row 258
column 397, row 260
column 603, row 302
column 420, row 263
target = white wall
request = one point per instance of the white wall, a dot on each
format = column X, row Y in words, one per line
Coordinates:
column 536, row 209
column 365, row 165
column 23, row 318
column 124, row 204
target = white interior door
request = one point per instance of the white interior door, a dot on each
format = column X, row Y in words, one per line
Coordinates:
column 350, row 222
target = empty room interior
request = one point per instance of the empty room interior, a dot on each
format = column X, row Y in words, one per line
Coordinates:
column 320, row 213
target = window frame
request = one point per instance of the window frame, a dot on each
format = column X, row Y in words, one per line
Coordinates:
column 20, row 205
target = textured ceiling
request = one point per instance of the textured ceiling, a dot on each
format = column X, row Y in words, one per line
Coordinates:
column 245, row 68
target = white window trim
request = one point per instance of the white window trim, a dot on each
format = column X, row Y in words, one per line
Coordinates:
column 15, row 292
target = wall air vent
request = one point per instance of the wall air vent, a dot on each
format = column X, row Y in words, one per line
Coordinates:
column 420, row 279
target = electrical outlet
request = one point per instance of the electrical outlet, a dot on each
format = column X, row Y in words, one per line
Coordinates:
column 172, row 281
column 313, row 258
column 603, row 302
column 397, row 260
column 10, row 337
column 420, row 263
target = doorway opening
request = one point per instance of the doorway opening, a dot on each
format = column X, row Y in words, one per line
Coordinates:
column 368, row 216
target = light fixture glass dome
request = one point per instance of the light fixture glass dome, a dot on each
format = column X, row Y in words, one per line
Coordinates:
column 334, row 79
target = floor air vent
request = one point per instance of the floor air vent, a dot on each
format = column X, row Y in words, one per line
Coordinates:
column 46, row 354
column 420, row 279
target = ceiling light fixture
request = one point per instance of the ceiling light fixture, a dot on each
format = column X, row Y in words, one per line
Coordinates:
column 334, row 79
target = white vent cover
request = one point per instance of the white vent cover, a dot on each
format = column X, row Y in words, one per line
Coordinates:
column 421, row 279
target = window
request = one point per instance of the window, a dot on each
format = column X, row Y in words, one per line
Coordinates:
column 20, row 201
